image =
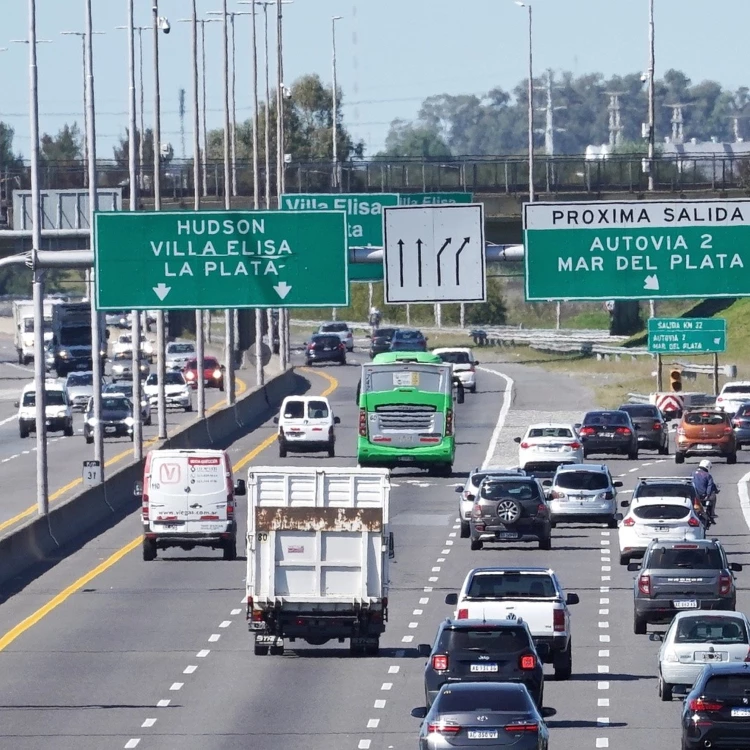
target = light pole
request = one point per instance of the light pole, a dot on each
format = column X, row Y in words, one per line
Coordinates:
column 651, row 120
column 335, row 114
column 531, row 102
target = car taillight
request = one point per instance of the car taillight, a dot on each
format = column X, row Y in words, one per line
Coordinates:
column 440, row 727
column 587, row 431
column 657, row 425
column 727, row 430
column 144, row 507
column 249, row 607
column 693, row 521
column 747, row 657
column 440, row 663
column 525, row 445
column 574, row 446
column 644, row 585
column 725, row 584
column 556, row 495
column 628, row 522
column 522, row 726
column 527, row 662
column 362, row 423
column 623, row 430
column 703, row 704
column 449, row 422
column 476, row 510
column 542, row 510
column 463, row 614
column 558, row 620
column 341, row 346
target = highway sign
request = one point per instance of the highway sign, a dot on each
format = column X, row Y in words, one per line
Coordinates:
column 687, row 335
column 637, row 250
column 364, row 219
column 433, row 199
column 220, row 259
column 434, row 253
column 92, row 473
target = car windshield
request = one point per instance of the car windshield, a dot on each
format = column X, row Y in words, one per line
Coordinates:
column 317, row 410
column 115, row 404
column 518, row 490
column 294, row 410
column 665, row 490
column 503, row 585
column 125, row 390
column 486, row 640
column 481, row 699
column 582, row 480
column 728, row 685
column 209, row 363
column 123, row 356
column 171, row 378
column 685, row 556
column 661, row 512
column 606, row 418
column 734, row 389
column 334, row 327
column 125, row 339
column 82, row 379
column 641, row 410
column 549, row 432
column 455, row 358
column 53, row 398
column 705, row 418
column 180, row 349
column 707, row 629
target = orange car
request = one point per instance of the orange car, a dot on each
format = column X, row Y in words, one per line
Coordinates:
column 705, row 432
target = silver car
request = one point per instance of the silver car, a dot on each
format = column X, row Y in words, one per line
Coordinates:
column 178, row 354
column 583, row 492
column 695, row 639
column 122, row 367
column 80, row 388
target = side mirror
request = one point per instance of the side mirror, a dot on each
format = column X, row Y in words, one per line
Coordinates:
column 736, row 567
column 516, row 439
column 451, row 599
column 625, row 503
column 476, row 362
column 548, row 712
column 15, row 403
column 337, row 420
column 577, row 425
column 571, row 599
column 275, row 420
column 618, row 483
column 391, row 546
column 459, row 489
column 138, row 489
column 419, row 713
column 543, row 650
column 633, row 567
column 240, row 488
column 655, row 637
column 424, row 649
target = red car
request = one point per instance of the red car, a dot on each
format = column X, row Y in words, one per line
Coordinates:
column 213, row 373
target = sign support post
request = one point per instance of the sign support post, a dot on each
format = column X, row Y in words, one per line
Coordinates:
column 716, row 374
column 659, row 373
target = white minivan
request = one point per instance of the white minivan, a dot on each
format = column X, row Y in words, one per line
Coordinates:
column 306, row 423
column 189, row 501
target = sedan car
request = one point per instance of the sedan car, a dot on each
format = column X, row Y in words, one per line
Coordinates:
column 733, row 395
column 695, row 639
column 116, row 418
column 341, row 330
column 325, row 347
column 213, row 373
column 380, row 341
column 741, row 424
column 653, row 431
column 176, row 389
column 482, row 715
column 583, row 492
column 178, row 354
column 126, row 389
column 80, row 388
column 609, row 432
column 706, row 432
column 545, row 446
column 408, row 340
column 122, row 367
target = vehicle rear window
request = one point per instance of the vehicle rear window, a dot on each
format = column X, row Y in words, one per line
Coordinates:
column 294, row 410
column 317, row 410
column 326, row 340
column 384, row 333
column 424, row 380
column 710, row 630
column 491, row 585
column 582, row 480
column 696, row 558
column 705, row 418
column 180, row 349
column 728, row 685
column 550, row 432
column 111, row 404
column 409, row 335
column 334, row 327
column 455, row 358
column 736, row 389
column 666, row 512
column 486, row 640
column 664, row 490
column 640, row 410
column 494, row 490
column 456, row 701
column 605, row 418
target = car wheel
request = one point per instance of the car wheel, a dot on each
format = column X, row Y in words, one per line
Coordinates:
column 639, row 625
column 612, row 523
column 546, row 543
column 23, row 433
column 282, row 450
column 343, row 362
column 260, row 649
column 624, row 559
column 332, row 450
column 68, row 431
column 89, row 439
column 473, row 389
column 585, row 455
column 147, row 423
column 149, row 549
column 221, row 387
column 665, row 690
column 679, row 457
column 465, row 530
column 230, row 550
column 664, row 450
column 633, row 455
column 732, row 458
column 563, row 662
column 189, row 407
column 308, row 363
column 476, row 545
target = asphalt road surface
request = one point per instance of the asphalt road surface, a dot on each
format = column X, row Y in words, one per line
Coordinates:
column 106, row 651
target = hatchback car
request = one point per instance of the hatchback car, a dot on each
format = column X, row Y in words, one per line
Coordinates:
column 468, row 492
column 733, row 395
column 79, row 387
column 741, row 424
column 545, row 446
column 116, row 418
column 213, row 373
column 653, row 431
column 706, row 432
column 306, row 424
column 482, row 651
column 380, row 341
column 695, row 639
column 408, row 340
column 482, row 715
column 678, row 576
column 342, row 331
column 583, row 492
column 464, row 365
column 126, row 389
column 609, row 432
column 325, row 347
column 510, row 509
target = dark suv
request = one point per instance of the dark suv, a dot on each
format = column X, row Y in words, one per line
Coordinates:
column 483, row 651
column 679, row 576
column 510, row 509
column 653, row 431
column 609, row 432
column 380, row 341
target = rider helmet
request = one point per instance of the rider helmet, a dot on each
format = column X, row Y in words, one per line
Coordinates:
column 705, row 464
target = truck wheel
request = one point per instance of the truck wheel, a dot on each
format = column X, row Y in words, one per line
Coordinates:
column 276, row 650
column 23, row 432
column 639, row 624
column 260, row 649
column 149, row 549
column 373, row 647
column 476, row 544
column 230, row 550
column 356, row 649
column 465, row 530
column 282, row 450
column 563, row 662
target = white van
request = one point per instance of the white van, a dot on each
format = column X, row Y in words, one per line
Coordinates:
column 189, row 501
column 306, row 423
column 57, row 410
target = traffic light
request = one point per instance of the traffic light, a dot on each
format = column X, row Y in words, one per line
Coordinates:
column 675, row 380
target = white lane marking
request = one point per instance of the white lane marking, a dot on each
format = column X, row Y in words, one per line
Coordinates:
column 504, row 409
column 445, row 552
column 630, row 471
column 214, row 637
column 605, row 533
column 603, row 589
column 606, row 568
column 436, row 569
column 606, row 559
column 176, row 686
column 602, row 721
column 148, row 723
column 602, row 741
column 9, row 419
column 440, row 560
column 225, row 624
column 606, row 578
column 452, row 534
column 434, row 579
column 424, row 600
column 407, row 639
column 604, row 653
column 417, row 612
column 386, row 686
column 379, row 704
column 603, row 668
column 604, row 638
column 603, row 702
column 605, row 542
column 413, row 625
column 373, row 723
column 603, row 624
column 235, row 611
column 203, row 653
column 190, row 669
column 604, row 600
column 603, row 611
column 427, row 589
column 163, row 703
column 394, row 669
column 602, row 685
column 364, row 744
column 457, row 526
column 132, row 743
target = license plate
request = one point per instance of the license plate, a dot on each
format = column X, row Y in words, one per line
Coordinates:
column 483, row 668
column 110, row 429
column 710, row 655
column 704, row 447
column 607, row 434
column 266, row 639
column 741, row 713
column 489, row 734
column 295, row 434
column 406, row 458
column 685, row 604
column 507, row 535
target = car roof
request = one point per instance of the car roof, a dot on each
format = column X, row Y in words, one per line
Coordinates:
column 736, row 382
column 504, row 687
column 728, row 613
column 603, row 411
column 441, row 349
column 591, row 468
column 304, row 398
column 510, row 569
column 734, row 667
column 665, row 480
column 542, row 425
column 393, row 358
column 691, row 543
column 49, row 385
column 470, row 624
column 81, row 372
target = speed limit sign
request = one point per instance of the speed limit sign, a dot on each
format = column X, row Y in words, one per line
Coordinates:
column 92, row 473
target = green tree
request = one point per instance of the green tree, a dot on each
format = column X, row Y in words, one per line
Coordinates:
column 7, row 158
column 122, row 150
column 65, row 148
column 408, row 139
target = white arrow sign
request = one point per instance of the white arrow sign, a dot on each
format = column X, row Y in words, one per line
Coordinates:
column 282, row 289
column 651, row 283
column 162, row 290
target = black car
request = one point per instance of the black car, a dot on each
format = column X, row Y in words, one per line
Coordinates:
column 483, row 715
column 482, row 651
column 510, row 509
column 609, row 432
column 116, row 420
column 380, row 341
column 408, row 340
column 324, row 347
column 716, row 712
column 653, row 431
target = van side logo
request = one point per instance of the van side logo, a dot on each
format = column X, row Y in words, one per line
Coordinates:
column 169, row 473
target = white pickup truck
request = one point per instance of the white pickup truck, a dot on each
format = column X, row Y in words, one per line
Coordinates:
column 534, row 594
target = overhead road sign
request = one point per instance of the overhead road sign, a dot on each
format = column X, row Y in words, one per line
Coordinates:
column 433, row 199
column 637, row 250
column 687, row 335
column 364, row 220
column 220, row 259
column 434, row 254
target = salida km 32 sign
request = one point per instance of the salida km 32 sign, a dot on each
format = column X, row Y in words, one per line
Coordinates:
column 636, row 250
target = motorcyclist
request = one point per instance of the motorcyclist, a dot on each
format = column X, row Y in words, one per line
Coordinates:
column 705, row 487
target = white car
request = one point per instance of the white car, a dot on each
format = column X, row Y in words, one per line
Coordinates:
column 695, row 639
column 733, row 395
column 124, row 343
column 306, row 423
column 545, row 446
column 79, row 387
column 464, row 364
column 177, row 391
column 666, row 518
column 178, row 354
column 59, row 415
column 341, row 330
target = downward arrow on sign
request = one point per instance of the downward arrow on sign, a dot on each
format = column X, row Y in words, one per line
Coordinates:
column 282, row 289
column 651, row 283
column 162, row 290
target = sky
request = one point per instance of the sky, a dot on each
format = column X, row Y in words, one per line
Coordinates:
column 391, row 54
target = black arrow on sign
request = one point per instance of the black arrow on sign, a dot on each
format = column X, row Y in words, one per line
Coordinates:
column 419, row 262
column 465, row 243
column 400, row 244
column 439, row 270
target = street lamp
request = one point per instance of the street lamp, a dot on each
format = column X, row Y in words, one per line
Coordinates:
column 335, row 104
column 651, row 113
column 531, row 103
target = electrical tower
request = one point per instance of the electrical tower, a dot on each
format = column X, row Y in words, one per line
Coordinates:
column 678, row 122
column 615, row 121
column 182, row 121
column 549, row 110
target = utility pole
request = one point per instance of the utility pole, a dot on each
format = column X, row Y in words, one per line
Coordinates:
column 651, row 95
column 531, row 100
column 283, row 318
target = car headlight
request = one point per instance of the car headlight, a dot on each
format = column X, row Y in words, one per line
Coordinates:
column 190, row 375
column 91, row 421
column 217, row 374
column 63, row 353
column 129, row 421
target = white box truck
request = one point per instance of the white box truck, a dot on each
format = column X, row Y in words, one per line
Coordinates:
column 23, row 328
column 318, row 547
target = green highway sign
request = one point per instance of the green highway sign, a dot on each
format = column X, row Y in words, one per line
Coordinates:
column 609, row 250
column 220, row 259
column 434, row 199
column 687, row 335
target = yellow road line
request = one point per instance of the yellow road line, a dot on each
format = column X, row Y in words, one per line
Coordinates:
column 241, row 388
column 76, row 586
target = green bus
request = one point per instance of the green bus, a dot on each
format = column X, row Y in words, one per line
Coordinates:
column 406, row 413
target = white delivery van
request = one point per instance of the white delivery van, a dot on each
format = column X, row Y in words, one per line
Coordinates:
column 306, row 423
column 189, row 501
column 318, row 548
column 57, row 411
